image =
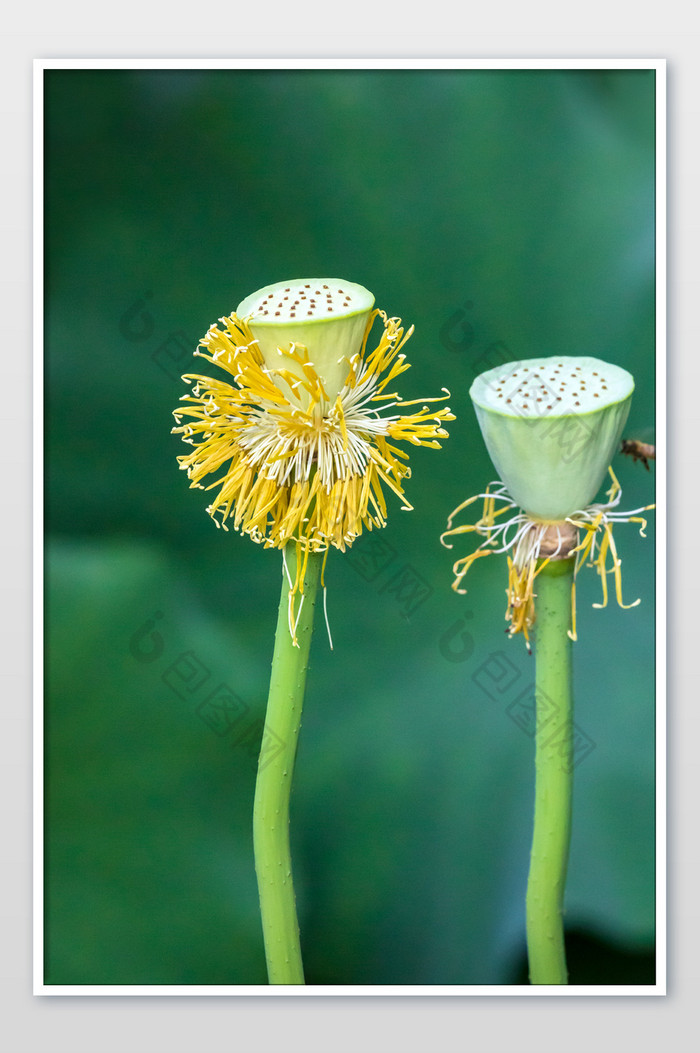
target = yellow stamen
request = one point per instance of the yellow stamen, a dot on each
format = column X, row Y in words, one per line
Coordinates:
column 525, row 536
column 292, row 465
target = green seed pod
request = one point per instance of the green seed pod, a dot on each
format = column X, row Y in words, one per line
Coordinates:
column 552, row 426
column 327, row 315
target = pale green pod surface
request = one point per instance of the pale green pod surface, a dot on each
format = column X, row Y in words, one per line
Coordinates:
column 552, row 427
column 327, row 315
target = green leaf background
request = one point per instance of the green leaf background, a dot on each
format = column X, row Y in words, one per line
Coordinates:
column 503, row 212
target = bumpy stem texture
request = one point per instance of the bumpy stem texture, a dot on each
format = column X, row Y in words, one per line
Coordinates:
column 272, row 789
column 553, row 775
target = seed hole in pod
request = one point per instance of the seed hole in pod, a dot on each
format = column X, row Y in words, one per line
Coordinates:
column 287, row 290
column 325, row 286
column 307, row 286
column 577, row 403
column 309, row 312
column 596, row 395
column 276, row 314
column 330, row 309
column 509, row 400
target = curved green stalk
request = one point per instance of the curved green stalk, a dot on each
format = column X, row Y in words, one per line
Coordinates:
column 275, row 768
column 553, row 774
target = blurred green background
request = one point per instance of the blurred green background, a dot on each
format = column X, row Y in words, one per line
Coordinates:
column 506, row 214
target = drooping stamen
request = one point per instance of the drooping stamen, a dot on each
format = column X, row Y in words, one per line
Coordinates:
column 533, row 540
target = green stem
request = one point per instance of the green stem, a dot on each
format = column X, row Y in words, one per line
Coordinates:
column 275, row 769
column 553, row 774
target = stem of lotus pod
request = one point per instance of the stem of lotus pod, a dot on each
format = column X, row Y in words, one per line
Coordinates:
column 553, row 774
column 275, row 769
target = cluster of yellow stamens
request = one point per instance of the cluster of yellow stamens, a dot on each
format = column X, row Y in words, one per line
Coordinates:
column 297, row 465
column 531, row 544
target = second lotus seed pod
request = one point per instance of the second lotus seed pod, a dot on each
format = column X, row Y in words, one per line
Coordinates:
column 552, row 427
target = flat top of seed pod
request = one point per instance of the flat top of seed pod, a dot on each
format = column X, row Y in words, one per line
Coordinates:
column 305, row 300
column 553, row 387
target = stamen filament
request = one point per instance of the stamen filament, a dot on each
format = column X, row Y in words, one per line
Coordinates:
column 523, row 537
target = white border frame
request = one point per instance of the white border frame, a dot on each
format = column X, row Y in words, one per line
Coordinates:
column 236, row 990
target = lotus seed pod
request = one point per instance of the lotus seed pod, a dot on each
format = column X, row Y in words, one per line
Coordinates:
column 327, row 315
column 552, row 427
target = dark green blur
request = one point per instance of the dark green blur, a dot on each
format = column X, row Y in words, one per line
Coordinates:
column 506, row 214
